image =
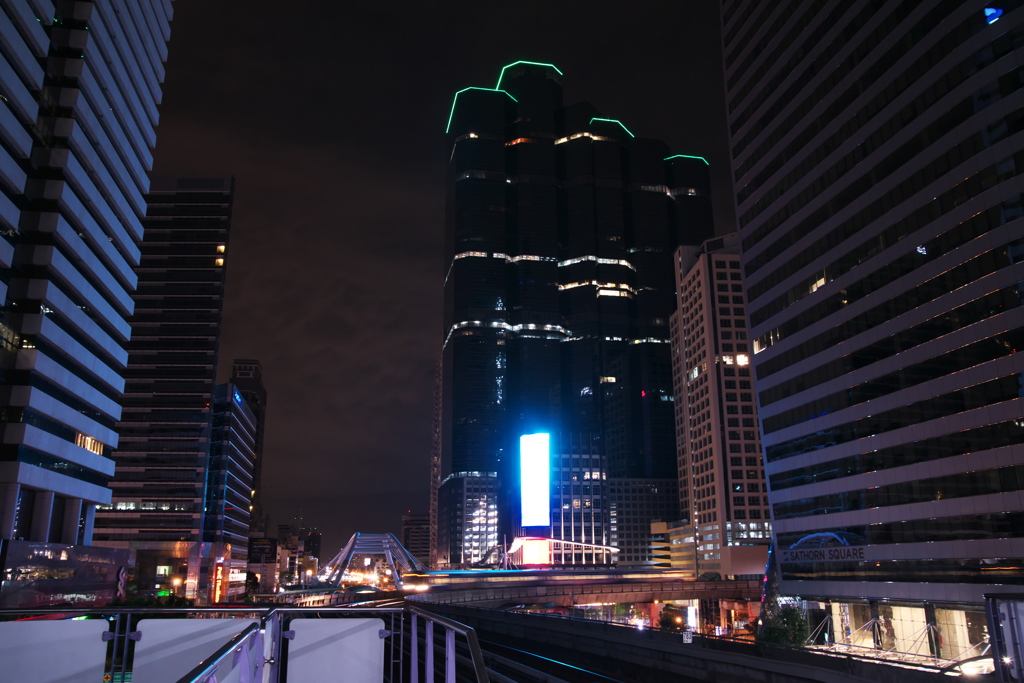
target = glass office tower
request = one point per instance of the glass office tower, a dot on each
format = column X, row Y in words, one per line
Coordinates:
column 560, row 230
column 877, row 151
column 79, row 89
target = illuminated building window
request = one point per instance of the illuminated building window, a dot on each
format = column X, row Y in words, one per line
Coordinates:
column 89, row 443
column 219, row 262
column 220, row 248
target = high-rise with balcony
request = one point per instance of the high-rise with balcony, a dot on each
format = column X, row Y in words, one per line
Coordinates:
column 79, row 90
column 877, row 151
column 723, row 497
column 560, row 230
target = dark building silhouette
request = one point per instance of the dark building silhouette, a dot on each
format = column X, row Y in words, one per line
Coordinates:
column 165, row 427
column 878, row 152
column 559, row 285
column 79, row 107
column 416, row 535
column 312, row 543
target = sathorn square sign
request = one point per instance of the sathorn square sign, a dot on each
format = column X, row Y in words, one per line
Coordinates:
column 848, row 553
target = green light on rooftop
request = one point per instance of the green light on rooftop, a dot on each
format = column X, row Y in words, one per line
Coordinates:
column 502, row 74
column 687, row 156
column 613, row 121
column 452, row 114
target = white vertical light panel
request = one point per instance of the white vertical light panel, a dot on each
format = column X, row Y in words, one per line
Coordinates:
column 535, row 479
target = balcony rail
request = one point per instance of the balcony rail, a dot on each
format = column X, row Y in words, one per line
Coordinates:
column 385, row 642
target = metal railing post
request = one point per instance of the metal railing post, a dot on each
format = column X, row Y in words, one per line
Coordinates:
column 428, row 658
column 414, row 648
column 449, row 656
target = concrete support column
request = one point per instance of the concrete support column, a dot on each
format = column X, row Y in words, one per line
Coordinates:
column 829, row 634
column 8, row 509
column 69, row 526
column 41, row 515
column 90, row 522
column 934, row 644
column 876, row 626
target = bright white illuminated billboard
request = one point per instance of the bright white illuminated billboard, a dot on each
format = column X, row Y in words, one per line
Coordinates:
column 535, row 479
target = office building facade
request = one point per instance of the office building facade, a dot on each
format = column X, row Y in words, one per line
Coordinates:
column 163, row 458
column 876, row 150
column 416, row 535
column 247, row 377
column 79, row 90
column 722, row 491
column 558, row 288
column 229, row 492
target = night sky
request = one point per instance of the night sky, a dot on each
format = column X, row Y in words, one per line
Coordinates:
column 331, row 117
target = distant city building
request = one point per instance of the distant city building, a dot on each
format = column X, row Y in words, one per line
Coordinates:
column 880, row 217
column 80, row 85
column 247, row 376
column 467, row 505
column 722, row 490
column 634, row 505
column 158, row 506
column 561, row 226
column 298, row 552
column 312, row 546
column 229, row 491
column 416, row 535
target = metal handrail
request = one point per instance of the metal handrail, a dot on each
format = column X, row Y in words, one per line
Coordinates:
column 268, row 615
column 209, row 665
column 475, row 652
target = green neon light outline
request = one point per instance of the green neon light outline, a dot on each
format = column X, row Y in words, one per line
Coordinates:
column 686, row 156
column 613, row 121
column 452, row 114
column 502, row 74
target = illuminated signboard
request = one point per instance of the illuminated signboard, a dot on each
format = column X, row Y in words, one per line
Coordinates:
column 535, row 479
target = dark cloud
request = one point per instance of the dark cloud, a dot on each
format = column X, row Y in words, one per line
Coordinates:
column 331, row 117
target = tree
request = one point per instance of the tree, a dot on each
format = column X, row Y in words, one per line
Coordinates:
column 780, row 623
column 786, row 626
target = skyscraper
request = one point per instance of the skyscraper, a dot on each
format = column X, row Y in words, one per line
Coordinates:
column 79, row 89
column 247, row 376
column 877, row 150
column 229, row 493
column 722, row 491
column 560, row 230
column 160, row 482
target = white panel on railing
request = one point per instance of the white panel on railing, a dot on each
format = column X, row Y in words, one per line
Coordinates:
column 324, row 649
column 28, row 649
column 170, row 648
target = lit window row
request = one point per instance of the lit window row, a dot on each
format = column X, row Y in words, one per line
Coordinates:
column 558, row 329
column 603, row 261
column 506, row 257
column 576, row 136
column 603, row 286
